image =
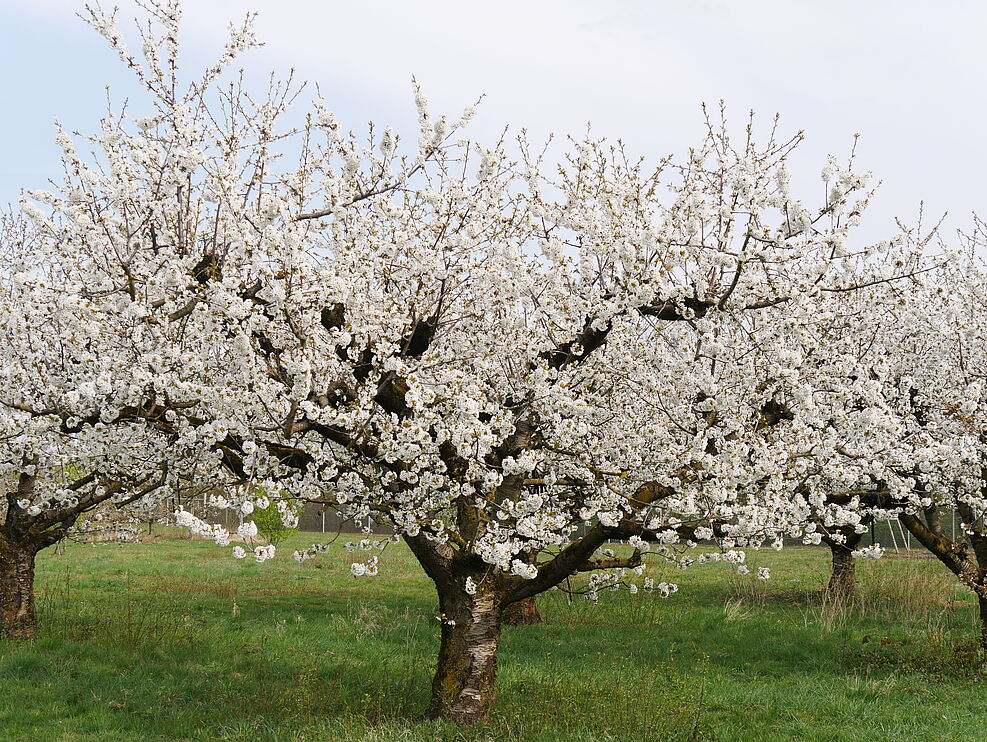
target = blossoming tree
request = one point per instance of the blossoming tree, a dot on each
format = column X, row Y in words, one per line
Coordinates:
column 946, row 404
column 81, row 407
column 895, row 413
column 506, row 361
column 925, row 378
column 98, row 374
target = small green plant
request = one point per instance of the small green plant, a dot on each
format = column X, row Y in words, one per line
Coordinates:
column 270, row 521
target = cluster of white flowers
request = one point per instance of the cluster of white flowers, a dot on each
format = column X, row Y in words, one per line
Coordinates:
column 311, row 552
column 199, row 527
column 664, row 589
column 522, row 569
column 869, row 552
column 263, row 553
column 365, row 569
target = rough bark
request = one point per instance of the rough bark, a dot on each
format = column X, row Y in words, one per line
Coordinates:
column 843, row 579
column 523, row 612
column 17, row 615
column 463, row 688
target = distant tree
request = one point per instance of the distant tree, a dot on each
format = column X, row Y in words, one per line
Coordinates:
column 80, row 404
column 899, row 403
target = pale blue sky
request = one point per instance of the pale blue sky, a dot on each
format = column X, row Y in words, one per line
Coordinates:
column 907, row 75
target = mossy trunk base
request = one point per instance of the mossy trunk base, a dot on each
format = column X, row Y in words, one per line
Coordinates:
column 463, row 688
column 17, row 616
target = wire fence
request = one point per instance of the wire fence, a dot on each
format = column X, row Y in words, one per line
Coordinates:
column 315, row 518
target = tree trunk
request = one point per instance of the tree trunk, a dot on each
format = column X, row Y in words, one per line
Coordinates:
column 463, row 688
column 843, row 580
column 522, row 613
column 17, row 619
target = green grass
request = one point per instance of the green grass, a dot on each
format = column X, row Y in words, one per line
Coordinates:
column 175, row 640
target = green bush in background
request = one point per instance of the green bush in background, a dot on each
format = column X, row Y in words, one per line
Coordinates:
column 270, row 522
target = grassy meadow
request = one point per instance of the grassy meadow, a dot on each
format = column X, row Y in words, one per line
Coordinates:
column 174, row 640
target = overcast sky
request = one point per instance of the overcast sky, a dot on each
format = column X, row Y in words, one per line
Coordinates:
column 907, row 75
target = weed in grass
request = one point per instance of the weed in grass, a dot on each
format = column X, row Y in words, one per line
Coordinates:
column 734, row 610
column 903, row 590
column 909, row 592
column 748, row 590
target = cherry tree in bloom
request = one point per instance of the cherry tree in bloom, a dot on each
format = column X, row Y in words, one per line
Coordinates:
column 100, row 358
column 431, row 347
column 508, row 362
column 896, row 407
column 80, row 400
column 946, row 404
column 927, row 375
column 630, row 353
